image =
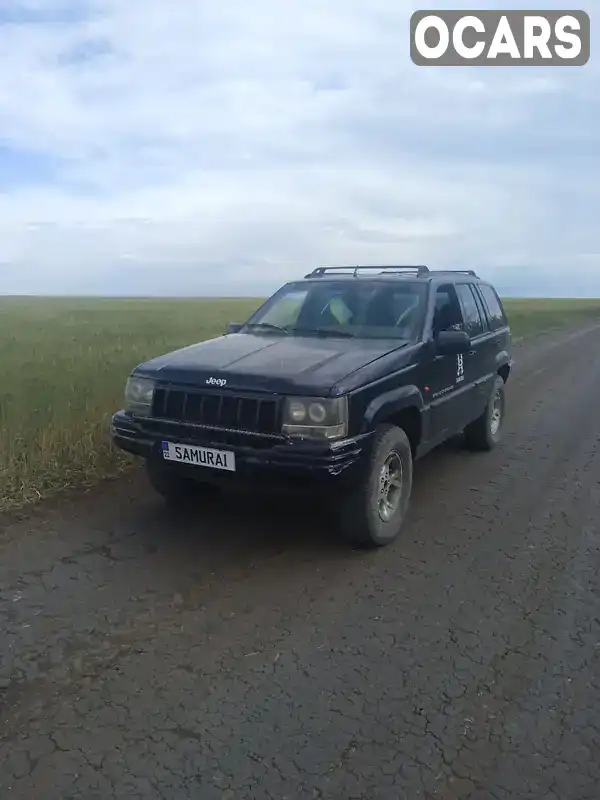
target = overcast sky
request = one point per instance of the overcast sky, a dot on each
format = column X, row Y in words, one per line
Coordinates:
column 195, row 147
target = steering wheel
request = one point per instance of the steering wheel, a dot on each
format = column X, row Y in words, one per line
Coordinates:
column 406, row 314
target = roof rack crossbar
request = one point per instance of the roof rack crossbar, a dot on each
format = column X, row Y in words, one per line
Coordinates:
column 420, row 269
column 452, row 271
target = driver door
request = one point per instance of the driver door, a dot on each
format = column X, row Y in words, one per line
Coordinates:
column 449, row 387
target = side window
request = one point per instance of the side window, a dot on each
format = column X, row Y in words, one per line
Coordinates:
column 494, row 307
column 481, row 307
column 448, row 315
column 474, row 323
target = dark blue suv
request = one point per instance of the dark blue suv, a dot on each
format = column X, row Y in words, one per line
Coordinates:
column 335, row 385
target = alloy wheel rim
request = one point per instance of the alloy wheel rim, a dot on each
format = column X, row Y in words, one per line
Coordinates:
column 496, row 416
column 390, row 486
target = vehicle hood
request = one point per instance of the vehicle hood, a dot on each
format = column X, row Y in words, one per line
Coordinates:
column 269, row 363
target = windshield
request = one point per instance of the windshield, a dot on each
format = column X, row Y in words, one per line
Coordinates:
column 349, row 309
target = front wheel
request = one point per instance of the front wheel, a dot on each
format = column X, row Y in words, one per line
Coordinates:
column 373, row 514
column 486, row 431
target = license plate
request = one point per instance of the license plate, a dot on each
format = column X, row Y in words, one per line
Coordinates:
column 199, row 456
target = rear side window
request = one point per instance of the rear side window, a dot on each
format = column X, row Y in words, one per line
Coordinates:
column 473, row 321
column 494, row 307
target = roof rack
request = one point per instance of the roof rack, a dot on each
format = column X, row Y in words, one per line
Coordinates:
column 419, row 269
column 452, row 271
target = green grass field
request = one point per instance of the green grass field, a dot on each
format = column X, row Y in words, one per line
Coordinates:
column 64, row 363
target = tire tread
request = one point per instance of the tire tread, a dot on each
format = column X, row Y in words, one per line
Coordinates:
column 354, row 515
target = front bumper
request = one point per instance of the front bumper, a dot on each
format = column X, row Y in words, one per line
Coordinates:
column 271, row 460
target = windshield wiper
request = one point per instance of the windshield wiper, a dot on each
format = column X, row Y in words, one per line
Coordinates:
column 268, row 326
column 325, row 332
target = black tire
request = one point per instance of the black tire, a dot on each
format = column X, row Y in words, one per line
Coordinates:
column 358, row 512
column 483, row 434
column 173, row 487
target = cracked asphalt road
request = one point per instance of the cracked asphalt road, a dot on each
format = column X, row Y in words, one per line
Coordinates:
column 240, row 652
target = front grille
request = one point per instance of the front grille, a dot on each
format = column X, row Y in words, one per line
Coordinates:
column 235, row 412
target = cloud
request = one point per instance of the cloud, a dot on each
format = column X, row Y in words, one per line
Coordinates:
column 202, row 147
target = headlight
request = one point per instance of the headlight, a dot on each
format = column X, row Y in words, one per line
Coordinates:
column 139, row 393
column 316, row 418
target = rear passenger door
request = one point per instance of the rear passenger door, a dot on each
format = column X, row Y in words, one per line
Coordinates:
column 478, row 362
column 496, row 339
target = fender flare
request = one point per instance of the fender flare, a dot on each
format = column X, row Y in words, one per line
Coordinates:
column 502, row 360
column 388, row 403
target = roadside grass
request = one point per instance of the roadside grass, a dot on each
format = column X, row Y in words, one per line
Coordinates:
column 529, row 316
column 64, row 362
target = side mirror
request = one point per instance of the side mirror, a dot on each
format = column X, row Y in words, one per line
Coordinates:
column 234, row 327
column 453, row 342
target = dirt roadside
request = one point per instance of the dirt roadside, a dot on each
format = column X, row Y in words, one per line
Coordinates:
column 235, row 652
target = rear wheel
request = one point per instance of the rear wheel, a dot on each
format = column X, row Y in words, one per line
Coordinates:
column 373, row 514
column 486, row 431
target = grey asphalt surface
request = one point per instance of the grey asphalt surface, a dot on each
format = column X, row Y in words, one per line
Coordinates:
column 241, row 651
